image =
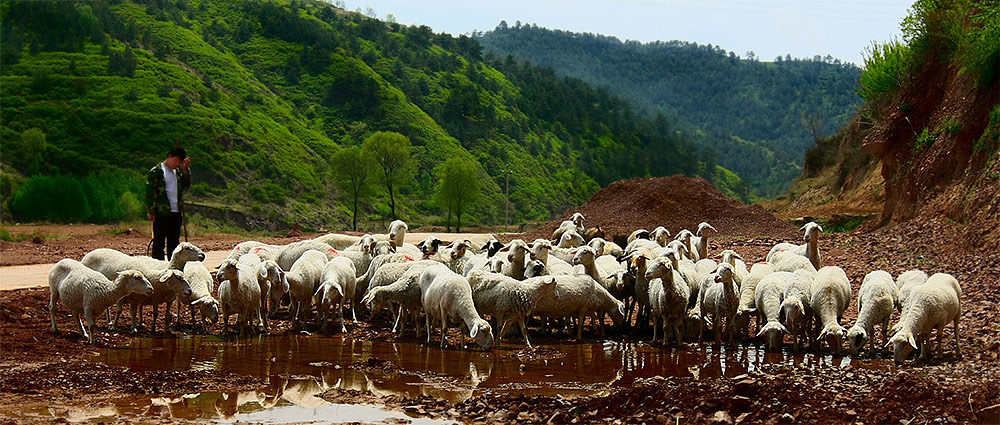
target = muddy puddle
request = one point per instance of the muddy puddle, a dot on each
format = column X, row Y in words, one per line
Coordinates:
column 300, row 367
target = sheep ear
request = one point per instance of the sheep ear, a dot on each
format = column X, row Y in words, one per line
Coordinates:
column 887, row 344
column 474, row 331
column 737, row 256
column 821, row 335
column 761, row 331
column 621, row 308
column 913, row 343
column 263, row 272
column 803, row 228
column 284, row 283
column 505, row 248
column 165, row 276
column 820, row 228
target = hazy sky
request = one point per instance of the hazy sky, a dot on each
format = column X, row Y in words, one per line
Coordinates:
column 802, row 28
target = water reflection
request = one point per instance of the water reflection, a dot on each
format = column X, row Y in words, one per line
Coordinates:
column 297, row 368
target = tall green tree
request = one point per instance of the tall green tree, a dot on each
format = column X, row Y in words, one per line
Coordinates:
column 391, row 152
column 458, row 188
column 351, row 175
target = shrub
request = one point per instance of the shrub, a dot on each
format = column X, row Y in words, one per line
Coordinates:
column 885, row 66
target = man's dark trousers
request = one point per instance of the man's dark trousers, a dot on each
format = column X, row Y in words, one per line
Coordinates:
column 166, row 229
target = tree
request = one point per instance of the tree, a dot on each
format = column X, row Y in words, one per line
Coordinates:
column 350, row 171
column 32, row 146
column 458, row 187
column 391, row 153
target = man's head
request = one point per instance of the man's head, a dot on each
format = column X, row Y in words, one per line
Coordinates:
column 175, row 157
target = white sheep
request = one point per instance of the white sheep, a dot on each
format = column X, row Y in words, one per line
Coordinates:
column 877, row 298
column 202, row 285
column 720, row 297
column 517, row 249
column 828, row 298
column 290, row 253
column 507, row 300
column 337, row 284
column 699, row 243
column 788, row 261
column 399, row 284
column 638, row 234
column 245, row 247
column 579, row 296
column 796, row 307
column 239, row 292
column 810, row 249
column 768, row 298
column 273, row 285
column 605, row 247
column 660, row 235
column 668, row 297
column 569, row 239
column 748, row 290
column 303, row 280
column 397, row 235
column 599, row 268
column 338, row 241
column 575, row 223
column 109, row 262
column 906, row 282
column 739, row 267
column 380, row 260
column 686, row 238
column 88, row 293
column 446, row 296
column 539, row 250
column 931, row 306
column 454, row 255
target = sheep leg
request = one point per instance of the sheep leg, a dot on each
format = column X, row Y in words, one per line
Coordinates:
column 90, row 323
column 701, row 329
column 428, row 317
column 524, row 331
column 340, row 309
column 156, row 313
column 131, row 309
column 354, row 316
column 52, row 310
column 579, row 326
column 656, row 327
column 444, row 326
column 677, row 333
column 79, row 322
column 958, row 348
column 500, row 330
column 395, row 325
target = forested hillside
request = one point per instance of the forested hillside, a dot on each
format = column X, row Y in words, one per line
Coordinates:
column 759, row 117
column 263, row 93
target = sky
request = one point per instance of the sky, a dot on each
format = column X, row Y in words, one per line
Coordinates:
column 769, row 28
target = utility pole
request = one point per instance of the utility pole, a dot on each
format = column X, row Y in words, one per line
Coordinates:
column 506, row 204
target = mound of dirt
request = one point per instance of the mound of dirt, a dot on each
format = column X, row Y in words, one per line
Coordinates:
column 676, row 202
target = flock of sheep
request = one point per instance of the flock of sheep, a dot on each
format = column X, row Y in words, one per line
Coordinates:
column 669, row 283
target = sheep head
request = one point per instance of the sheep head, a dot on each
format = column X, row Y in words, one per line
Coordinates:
column 186, row 251
column 570, row 239
column 429, row 246
column 584, row 255
column 227, row 270
column 597, row 244
column 705, row 229
column 775, row 332
column 902, row 344
column 209, row 308
column 174, row 279
column 482, row 333
column 659, row 268
column 134, row 281
column 729, row 256
column 794, row 311
column 857, row 337
column 517, row 248
column 833, row 334
column 539, row 250
column 492, row 247
column 812, row 231
column 397, row 231
column 661, row 235
column 724, row 274
column 577, row 219
column 534, row 268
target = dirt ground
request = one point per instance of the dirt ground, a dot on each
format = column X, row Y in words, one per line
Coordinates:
column 39, row 367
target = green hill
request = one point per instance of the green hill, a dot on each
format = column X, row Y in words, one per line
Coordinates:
column 262, row 93
column 759, row 117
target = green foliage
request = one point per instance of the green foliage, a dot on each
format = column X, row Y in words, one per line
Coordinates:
column 745, row 110
column 391, row 153
column 924, row 140
column 989, row 141
column 350, row 169
column 886, row 65
column 458, row 188
column 951, row 126
column 100, row 198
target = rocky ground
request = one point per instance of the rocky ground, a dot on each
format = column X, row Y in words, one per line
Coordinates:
column 40, row 367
